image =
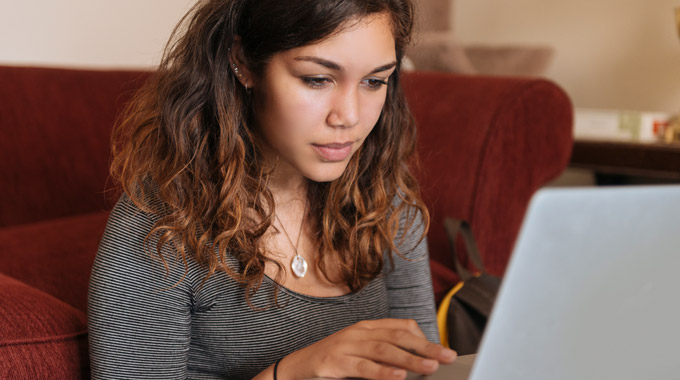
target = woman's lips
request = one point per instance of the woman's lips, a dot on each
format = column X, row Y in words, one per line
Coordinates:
column 335, row 151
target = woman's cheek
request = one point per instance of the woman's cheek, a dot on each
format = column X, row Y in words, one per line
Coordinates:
column 305, row 111
column 374, row 115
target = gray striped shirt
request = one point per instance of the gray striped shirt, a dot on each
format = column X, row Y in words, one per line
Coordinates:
column 142, row 326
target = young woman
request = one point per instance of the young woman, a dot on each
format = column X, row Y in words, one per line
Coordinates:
column 269, row 226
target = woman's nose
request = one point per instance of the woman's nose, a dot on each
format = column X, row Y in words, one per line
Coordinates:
column 344, row 111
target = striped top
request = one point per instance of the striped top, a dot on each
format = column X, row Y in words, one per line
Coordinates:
column 142, row 326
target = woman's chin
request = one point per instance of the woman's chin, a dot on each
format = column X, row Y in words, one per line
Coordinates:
column 327, row 172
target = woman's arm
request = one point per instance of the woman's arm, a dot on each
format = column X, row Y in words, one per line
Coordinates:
column 409, row 285
column 382, row 349
column 378, row 349
column 138, row 316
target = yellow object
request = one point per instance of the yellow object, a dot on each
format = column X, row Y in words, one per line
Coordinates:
column 442, row 312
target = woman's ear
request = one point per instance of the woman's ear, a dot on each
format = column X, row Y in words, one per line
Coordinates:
column 238, row 65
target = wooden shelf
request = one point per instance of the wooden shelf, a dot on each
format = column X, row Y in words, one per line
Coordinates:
column 654, row 160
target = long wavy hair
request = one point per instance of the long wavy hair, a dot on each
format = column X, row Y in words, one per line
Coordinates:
column 189, row 140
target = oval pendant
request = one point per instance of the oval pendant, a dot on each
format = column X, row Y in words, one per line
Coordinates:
column 299, row 266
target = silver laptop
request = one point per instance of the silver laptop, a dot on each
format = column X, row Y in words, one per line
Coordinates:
column 592, row 291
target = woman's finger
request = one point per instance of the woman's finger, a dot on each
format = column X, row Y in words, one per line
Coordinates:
column 358, row 367
column 388, row 353
column 414, row 344
column 433, row 351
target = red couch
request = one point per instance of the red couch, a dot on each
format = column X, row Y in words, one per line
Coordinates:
column 486, row 145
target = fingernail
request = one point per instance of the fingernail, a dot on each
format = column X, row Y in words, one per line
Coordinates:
column 400, row 373
column 430, row 363
column 448, row 354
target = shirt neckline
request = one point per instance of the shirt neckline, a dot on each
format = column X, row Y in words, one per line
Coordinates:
column 317, row 299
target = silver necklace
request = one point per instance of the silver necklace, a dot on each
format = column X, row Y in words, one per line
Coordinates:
column 298, row 265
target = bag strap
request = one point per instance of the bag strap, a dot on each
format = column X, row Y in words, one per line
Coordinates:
column 453, row 228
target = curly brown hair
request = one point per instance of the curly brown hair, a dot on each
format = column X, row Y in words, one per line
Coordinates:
column 188, row 136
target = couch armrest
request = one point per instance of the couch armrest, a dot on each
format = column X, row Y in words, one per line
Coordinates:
column 486, row 144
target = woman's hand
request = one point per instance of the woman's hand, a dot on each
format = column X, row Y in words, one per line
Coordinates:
column 379, row 349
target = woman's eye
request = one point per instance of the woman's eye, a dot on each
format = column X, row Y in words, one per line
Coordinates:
column 316, row 82
column 375, row 84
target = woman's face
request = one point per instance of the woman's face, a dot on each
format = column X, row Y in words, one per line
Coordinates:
column 315, row 105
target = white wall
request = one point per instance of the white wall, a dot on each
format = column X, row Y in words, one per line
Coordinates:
column 621, row 54
column 87, row 33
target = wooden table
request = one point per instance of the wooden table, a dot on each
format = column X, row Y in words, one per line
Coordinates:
column 628, row 159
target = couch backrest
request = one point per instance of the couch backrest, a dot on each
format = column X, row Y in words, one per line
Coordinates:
column 486, row 144
column 54, row 150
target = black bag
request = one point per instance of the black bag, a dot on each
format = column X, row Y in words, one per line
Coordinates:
column 465, row 309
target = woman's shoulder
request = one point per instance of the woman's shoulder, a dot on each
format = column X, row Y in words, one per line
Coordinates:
column 129, row 231
column 129, row 249
column 410, row 216
column 139, row 210
column 129, row 221
column 411, row 233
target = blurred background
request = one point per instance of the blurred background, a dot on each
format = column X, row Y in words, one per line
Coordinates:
column 610, row 55
column 622, row 54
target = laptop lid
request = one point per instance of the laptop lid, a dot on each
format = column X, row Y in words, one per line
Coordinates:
column 591, row 290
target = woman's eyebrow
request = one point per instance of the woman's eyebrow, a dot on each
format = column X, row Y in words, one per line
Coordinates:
column 384, row 67
column 320, row 61
column 334, row 66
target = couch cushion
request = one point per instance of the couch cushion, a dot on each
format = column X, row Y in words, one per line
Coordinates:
column 40, row 336
column 54, row 256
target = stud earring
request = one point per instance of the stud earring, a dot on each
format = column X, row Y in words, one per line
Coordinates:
column 236, row 71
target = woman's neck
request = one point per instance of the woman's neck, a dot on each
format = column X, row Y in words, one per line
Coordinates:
column 286, row 182
column 286, row 188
